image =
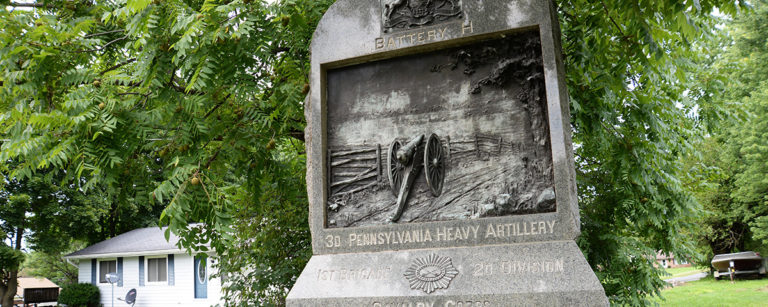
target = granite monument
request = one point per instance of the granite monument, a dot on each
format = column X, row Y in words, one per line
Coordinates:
column 440, row 168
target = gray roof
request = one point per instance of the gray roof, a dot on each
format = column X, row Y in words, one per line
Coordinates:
column 143, row 241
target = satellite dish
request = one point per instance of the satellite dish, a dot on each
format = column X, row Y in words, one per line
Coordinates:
column 130, row 297
column 112, row 277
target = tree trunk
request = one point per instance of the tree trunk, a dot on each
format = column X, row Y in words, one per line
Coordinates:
column 113, row 219
column 9, row 290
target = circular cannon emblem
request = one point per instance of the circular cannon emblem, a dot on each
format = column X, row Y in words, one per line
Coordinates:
column 431, row 273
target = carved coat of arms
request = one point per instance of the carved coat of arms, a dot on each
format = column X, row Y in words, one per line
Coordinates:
column 403, row 14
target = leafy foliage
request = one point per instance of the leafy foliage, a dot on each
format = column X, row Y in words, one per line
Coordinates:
column 195, row 106
column 45, row 216
column 735, row 194
column 630, row 69
column 52, row 266
column 80, row 295
column 10, row 261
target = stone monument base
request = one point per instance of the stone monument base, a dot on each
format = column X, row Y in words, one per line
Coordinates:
column 532, row 274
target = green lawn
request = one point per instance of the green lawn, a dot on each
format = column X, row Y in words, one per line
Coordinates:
column 680, row 272
column 708, row 292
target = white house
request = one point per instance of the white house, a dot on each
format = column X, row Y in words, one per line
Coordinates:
column 161, row 273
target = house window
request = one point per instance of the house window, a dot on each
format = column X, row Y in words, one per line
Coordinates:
column 106, row 267
column 157, row 270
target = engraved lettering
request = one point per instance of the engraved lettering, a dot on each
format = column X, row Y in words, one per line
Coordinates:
column 442, row 32
column 404, row 304
column 525, row 229
column 452, row 303
column 482, row 269
column 424, row 235
column 489, row 232
column 420, row 37
column 518, row 267
column 354, row 274
column 551, row 226
column 332, row 241
column 441, row 234
column 467, row 28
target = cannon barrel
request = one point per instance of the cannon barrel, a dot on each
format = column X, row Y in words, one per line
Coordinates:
column 405, row 153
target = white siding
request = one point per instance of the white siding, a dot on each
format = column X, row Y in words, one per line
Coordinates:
column 84, row 276
column 182, row 293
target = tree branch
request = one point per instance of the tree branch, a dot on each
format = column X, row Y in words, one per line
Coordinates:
column 16, row 4
column 217, row 106
column 134, row 93
column 103, row 33
column 181, row 89
column 118, row 66
column 105, row 46
column 297, row 134
column 213, row 158
column 605, row 8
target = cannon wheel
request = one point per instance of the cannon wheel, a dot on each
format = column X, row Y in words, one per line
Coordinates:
column 394, row 168
column 434, row 164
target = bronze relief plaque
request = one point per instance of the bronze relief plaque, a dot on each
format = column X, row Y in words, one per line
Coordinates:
column 454, row 134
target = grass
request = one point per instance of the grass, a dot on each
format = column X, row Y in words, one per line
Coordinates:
column 708, row 292
column 681, row 272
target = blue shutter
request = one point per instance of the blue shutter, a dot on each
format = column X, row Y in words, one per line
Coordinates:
column 120, row 271
column 93, row 272
column 141, row 271
column 171, row 276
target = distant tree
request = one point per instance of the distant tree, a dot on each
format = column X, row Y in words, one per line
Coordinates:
column 44, row 216
column 631, row 68
column 53, row 266
column 11, row 258
column 751, row 142
column 735, row 193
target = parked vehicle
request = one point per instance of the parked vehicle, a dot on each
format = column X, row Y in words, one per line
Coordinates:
column 743, row 264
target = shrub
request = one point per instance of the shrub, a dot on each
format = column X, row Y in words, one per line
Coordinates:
column 80, row 295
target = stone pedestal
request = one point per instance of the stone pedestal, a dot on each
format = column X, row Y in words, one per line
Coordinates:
column 440, row 167
column 532, row 274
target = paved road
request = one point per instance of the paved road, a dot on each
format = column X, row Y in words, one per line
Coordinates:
column 688, row 278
